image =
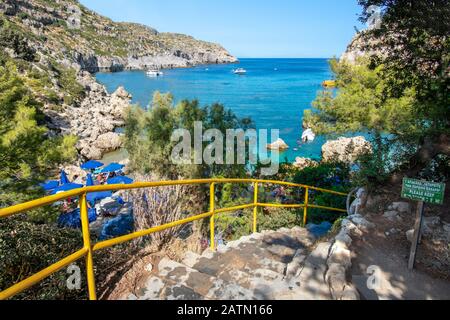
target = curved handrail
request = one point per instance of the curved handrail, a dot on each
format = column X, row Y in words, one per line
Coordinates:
column 4, row 212
column 88, row 248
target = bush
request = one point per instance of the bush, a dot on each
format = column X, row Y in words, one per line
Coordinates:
column 232, row 226
column 333, row 176
column 159, row 206
column 326, row 200
column 12, row 38
column 26, row 248
column 325, row 175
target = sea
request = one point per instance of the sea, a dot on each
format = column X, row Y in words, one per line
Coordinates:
column 274, row 93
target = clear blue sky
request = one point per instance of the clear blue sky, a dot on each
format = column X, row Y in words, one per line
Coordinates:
column 247, row 28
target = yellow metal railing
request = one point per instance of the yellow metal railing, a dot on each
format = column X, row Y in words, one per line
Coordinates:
column 89, row 248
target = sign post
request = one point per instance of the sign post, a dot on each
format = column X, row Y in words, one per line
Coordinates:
column 417, row 228
column 424, row 192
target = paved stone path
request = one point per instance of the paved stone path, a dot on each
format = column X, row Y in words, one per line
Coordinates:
column 286, row 264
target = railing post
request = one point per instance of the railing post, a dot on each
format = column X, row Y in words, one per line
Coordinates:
column 305, row 209
column 255, row 208
column 211, row 220
column 87, row 244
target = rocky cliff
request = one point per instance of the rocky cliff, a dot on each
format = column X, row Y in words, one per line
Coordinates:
column 360, row 46
column 68, row 31
column 56, row 44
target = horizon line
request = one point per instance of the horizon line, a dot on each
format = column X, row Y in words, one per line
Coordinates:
column 285, row 57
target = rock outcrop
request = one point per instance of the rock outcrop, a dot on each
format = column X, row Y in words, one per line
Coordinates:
column 360, row 47
column 345, row 149
column 302, row 163
column 95, row 43
column 95, row 119
column 62, row 42
column 278, row 145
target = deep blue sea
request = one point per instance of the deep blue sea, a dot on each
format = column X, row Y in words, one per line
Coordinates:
column 274, row 93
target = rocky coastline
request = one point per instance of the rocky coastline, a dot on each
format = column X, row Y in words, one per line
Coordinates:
column 69, row 43
column 93, row 63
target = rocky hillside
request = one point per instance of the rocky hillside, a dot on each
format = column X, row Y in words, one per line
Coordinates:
column 69, row 31
column 56, row 44
column 360, row 46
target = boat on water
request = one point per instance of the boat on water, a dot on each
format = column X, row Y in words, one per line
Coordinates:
column 329, row 84
column 240, row 71
column 308, row 136
column 154, row 73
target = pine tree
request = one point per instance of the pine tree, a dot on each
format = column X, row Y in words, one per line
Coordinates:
column 27, row 153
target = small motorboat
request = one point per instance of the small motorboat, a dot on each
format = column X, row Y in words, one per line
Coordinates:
column 154, row 73
column 240, row 71
column 329, row 84
column 308, row 136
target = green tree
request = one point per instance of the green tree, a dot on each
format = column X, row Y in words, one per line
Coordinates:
column 415, row 45
column 361, row 104
column 148, row 136
column 11, row 37
column 27, row 153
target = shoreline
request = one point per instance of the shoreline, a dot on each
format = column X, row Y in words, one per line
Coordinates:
column 121, row 68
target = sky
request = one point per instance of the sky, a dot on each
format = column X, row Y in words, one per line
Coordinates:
column 248, row 28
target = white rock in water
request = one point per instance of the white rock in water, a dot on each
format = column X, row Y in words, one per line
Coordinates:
column 278, row 145
column 308, row 136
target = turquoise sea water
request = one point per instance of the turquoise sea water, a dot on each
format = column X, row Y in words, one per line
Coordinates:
column 274, row 93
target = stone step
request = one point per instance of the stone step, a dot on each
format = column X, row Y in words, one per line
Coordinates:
column 269, row 250
column 258, row 262
column 312, row 276
column 270, row 265
column 157, row 288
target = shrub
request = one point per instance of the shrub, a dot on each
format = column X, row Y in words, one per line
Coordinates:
column 26, row 248
column 158, row 206
column 333, row 176
column 326, row 200
column 12, row 38
column 232, row 226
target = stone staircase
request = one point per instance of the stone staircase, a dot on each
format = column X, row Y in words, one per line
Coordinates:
column 287, row 264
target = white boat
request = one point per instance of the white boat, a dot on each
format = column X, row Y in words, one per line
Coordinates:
column 154, row 73
column 308, row 136
column 240, row 71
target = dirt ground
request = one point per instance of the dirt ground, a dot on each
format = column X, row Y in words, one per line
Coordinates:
column 380, row 247
column 387, row 247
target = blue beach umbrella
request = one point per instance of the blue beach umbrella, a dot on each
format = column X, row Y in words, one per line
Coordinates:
column 63, row 178
column 73, row 220
column 112, row 167
column 91, row 165
column 120, row 180
column 96, row 196
column 89, row 181
column 67, row 187
column 49, row 185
